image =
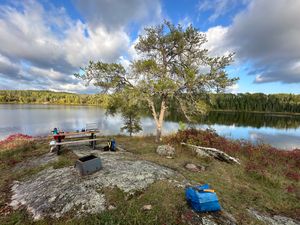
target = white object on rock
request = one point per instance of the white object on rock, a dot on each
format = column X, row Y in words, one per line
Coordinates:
column 111, row 207
column 192, row 167
column 165, row 150
column 52, row 143
column 212, row 152
column 53, row 149
column 147, row 207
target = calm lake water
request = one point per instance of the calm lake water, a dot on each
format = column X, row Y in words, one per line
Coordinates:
column 278, row 130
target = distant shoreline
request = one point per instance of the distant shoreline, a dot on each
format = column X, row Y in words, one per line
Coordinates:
column 39, row 103
column 214, row 110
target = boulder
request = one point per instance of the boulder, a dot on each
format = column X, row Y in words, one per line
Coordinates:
column 165, row 150
column 194, row 168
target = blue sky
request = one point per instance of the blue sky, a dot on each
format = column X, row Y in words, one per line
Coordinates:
column 42, row 43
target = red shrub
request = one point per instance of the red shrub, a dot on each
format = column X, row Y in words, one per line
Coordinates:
column 14, row 140
column 291, row 189
column 258, row 158
column 293, row 175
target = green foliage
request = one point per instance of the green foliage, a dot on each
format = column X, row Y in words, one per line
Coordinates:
column 50, row 97
column 256, row 102
column 129, row 106
column 170, row 67
column 182, row 125
column 131, row 121
column 107, row 76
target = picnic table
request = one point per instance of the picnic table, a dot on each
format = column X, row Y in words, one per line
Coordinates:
column 90, row 133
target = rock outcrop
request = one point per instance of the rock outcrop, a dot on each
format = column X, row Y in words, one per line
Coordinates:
column 54, row 192
column 165, row 150
column 272, row 220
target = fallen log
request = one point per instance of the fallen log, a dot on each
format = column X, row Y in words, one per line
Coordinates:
column 213, row 152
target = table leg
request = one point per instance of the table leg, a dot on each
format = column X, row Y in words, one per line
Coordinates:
column 59, row 146
column 94, row 143
column 92, row 137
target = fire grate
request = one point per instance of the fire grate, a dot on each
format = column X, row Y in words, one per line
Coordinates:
column 88, row 164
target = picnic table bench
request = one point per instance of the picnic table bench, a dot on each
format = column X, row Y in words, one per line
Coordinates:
column 59, row 144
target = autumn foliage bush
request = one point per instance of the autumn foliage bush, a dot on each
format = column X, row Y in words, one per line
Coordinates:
column 260, row 158
column 14, row 140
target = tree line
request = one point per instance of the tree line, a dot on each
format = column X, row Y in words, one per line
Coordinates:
column 224, row 102
column 255, row 102
column 51, row 97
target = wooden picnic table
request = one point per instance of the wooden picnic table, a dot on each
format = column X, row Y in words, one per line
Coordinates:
column 62, row 135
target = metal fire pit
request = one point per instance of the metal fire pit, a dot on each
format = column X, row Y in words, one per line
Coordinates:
column 88, row 164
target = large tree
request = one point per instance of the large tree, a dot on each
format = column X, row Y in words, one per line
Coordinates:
column 173, row 64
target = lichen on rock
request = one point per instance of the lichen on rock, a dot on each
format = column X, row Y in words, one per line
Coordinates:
column 165, row 150
column 53, row 192
column 272, row 220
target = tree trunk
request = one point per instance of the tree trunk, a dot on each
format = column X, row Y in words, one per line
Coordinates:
column 130, row 130
column 158, row 134
column 158, row 120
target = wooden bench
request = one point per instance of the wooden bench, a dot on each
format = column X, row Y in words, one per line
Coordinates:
column 58, row 144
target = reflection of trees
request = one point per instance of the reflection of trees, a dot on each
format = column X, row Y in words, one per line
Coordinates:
column 242, row 119
column 250, row 119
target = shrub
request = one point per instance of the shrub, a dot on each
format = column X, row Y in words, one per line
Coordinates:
column 260, row 159
column 14, row 140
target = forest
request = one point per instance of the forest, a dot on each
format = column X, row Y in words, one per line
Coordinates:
column 247, row 102
column 255, row 102
column 51, row 97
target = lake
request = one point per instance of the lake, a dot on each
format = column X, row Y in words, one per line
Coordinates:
column 281, row 131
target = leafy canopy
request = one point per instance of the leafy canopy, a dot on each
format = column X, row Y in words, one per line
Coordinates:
column 172, row 64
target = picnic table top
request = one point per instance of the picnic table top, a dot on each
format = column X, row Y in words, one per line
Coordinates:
column 76, row 133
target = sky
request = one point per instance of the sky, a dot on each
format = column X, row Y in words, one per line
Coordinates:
column 43, row 43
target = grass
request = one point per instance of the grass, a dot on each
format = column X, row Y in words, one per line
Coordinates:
column 264, row 187
column 267, row 180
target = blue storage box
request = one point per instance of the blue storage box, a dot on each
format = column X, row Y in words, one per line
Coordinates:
column 201, row 199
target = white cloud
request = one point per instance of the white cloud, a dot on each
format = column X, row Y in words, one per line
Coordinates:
column 234, row 89
column 100, row 44
column 49, row 46
column 48, row 74
column 266, row 35
column 185, row 22
column 216, row 41
column 8, row 68
column 115, row 14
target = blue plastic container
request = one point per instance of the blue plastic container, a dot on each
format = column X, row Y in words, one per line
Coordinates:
column 201, row 200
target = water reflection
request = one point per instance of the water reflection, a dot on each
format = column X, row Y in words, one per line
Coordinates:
column 256, row 120
column 280, row 131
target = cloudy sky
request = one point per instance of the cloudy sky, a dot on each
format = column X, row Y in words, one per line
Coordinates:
column 42, row 43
